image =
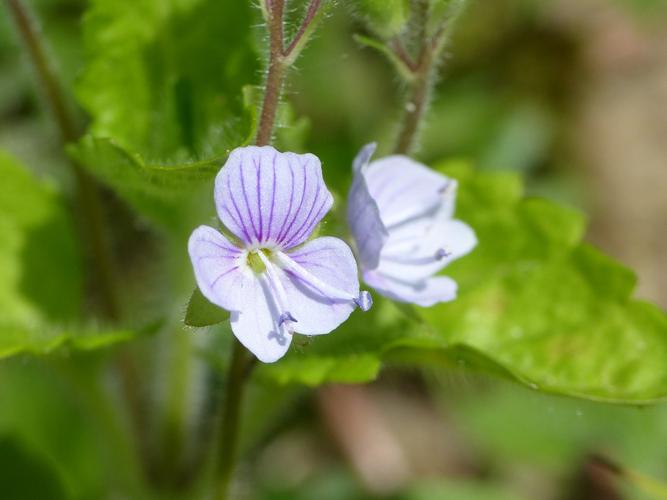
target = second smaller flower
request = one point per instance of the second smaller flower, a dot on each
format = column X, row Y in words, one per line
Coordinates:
column 401, row 216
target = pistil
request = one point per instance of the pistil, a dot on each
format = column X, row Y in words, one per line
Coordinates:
column 278, row 295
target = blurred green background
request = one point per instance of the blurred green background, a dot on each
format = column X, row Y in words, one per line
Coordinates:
column 571, row 93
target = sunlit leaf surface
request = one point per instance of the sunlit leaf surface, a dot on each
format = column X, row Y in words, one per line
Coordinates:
column 535, row 304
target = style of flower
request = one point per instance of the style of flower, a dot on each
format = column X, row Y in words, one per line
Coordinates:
column 400, row 214
column 273, row 281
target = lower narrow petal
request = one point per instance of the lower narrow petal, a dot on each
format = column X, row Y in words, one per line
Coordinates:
column 257, row 325
column 424, row 293
column 318, row 311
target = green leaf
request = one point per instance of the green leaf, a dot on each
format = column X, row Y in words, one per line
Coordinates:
column 555, row 313
column 27, row 476
column 163, row 85
column 164, row 193
column 201, row 312
column 40, row 339
column 40, row 270
column 164, row 77
column 60, row 414
column 535, row 305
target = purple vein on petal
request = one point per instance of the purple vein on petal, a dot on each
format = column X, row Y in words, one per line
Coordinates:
column 297, row 255
column 297, row 234
column 223, row 275
column 286, row 224
column 238, row 212
column 321, row 212
column 221, row 247
column 273, row 196
column 259, row 199
column 303, row 196
column 231, row 216
column 245, row 198
column 310, row 263
column 312, row 222
column 224, row 257
column 289, row 208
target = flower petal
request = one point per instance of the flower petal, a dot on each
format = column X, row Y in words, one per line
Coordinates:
column 363, row 215
column 256, row 324
column 267, row 197
column 403, row 188
column 331, row 261
column 363, row 157
column 424, row 293
column 412, row 250
column 218, row 265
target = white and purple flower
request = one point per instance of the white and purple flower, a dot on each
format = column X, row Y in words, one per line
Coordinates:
column 400, row 213
column 273, row 281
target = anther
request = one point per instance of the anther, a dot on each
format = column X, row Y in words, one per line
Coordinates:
column 441, row 253
column 285, row 317
column 364, row 301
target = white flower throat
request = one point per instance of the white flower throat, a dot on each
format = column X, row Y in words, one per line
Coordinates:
column 269, row 263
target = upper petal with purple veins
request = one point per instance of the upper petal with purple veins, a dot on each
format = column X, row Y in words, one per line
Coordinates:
column 267, row 197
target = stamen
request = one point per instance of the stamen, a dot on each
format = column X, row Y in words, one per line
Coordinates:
column 286, row 316
column 363, row 300
column 441, row 253
column 279, row 296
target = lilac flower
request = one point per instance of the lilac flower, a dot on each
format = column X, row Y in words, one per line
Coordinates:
column 400, row 213
column 272, row 281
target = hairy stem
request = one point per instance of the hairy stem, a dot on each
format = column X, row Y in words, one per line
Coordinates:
column 276, row 73
column 417, row 101
column 237, row 374
column 280, row 58
column 423, row 77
